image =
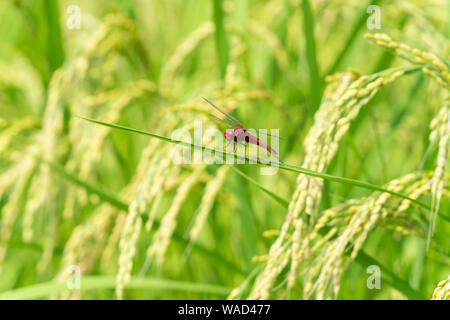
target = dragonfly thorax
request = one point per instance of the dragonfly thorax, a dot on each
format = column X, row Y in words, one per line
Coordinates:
column 237, row 134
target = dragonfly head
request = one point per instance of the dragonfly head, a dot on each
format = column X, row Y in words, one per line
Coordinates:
column 228, row 134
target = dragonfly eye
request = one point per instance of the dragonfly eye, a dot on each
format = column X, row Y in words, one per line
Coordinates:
column 228, row 134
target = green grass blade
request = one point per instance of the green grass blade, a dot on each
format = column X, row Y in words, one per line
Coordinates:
column 390, row 278
column 55, row 50
column 358, row 25
column 348, row 181
column 277, row 198
column 315, row 81
column 362, row 258
column 88, row 283
column 417, row 268
column 104, row 195
column 220, row 36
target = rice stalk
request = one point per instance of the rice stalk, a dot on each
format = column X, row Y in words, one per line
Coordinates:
column 315, row 81
column 220, row 36
column 153, row 171
column 18, row 128
column 168, row 223
column 113, row 239
column 209, row 195
column 133, row 222
column 89, row 141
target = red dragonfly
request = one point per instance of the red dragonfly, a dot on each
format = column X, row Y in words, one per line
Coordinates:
column 239, row 133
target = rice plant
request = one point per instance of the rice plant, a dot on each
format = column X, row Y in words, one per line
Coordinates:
column 93, row 205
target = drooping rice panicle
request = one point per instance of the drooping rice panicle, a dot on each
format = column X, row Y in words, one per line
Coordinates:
column 132, row 226
column 272, row 42
column 11, row 210
column 186, row 47
column 209, row 195
column 440, row 133
column 88, row 151
column 363, row 215
column 85, row 244
column 431, row 64
column 442, row 291
column 168, row 222
column 127, row 247
column 8, row 135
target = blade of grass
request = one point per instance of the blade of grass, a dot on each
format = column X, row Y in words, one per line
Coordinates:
column 277, row 198
column 249, row 225
column 358, row 25
column 315, row 81
column 55, row 50
column 403, row 110
column 220, row 36
column 390, row 278
column 104, row 195
column 353, row 182
column 383, row 63
column 417, row 269
column 88, row 283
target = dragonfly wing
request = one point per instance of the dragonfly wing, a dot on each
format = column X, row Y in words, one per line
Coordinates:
column 226, row 123
column 233, row 119
column 271, row 135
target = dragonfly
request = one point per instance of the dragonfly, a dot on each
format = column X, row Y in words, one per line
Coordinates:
column 239, row 134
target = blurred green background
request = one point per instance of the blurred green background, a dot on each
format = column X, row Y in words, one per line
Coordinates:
column 145, row 64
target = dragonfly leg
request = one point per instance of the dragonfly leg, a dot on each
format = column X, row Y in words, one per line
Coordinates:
column 245, row 147
column 226, row 146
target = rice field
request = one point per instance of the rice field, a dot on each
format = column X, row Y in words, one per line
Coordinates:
column 93, row 204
